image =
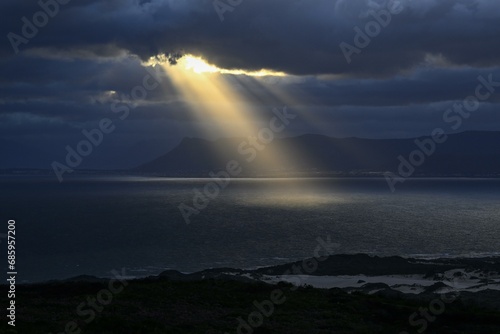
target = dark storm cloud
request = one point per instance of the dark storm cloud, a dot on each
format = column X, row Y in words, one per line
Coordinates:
column 425, row 85
column 300, row 37
column 91, row 54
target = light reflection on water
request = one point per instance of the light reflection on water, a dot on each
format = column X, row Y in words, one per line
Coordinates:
column 93, row 225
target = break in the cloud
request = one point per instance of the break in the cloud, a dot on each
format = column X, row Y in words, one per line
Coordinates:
column 92, row 53
column 298, row 37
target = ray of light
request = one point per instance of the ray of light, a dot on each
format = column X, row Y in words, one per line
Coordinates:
column 296, row 97
column 206, row 90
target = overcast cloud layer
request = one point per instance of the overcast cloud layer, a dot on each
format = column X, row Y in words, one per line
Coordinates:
column 428, row 57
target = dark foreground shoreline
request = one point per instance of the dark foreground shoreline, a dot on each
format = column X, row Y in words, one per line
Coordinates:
column 437, row 296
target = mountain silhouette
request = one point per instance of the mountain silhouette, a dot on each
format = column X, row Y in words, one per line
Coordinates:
column 464, row 154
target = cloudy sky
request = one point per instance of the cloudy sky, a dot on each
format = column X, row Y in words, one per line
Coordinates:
column 65, row 66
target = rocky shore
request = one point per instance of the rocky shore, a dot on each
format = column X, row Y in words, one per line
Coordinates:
column 339, row 294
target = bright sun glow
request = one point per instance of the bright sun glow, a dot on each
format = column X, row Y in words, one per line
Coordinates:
column 221, row 107
column 199, row 65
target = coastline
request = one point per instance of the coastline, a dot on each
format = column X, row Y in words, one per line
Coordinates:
column 456, row 272
column 223, row 300
column 133, row 273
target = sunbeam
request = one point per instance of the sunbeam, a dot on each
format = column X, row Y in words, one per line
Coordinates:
column 207, row 91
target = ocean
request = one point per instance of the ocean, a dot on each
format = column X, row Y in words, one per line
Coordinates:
column 94, row 225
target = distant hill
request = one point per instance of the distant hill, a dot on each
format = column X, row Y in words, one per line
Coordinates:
column 463, row 154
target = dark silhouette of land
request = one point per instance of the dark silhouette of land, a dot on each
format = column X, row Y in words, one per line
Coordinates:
column 218, row 301
column 463, row 154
